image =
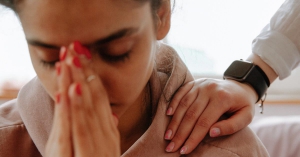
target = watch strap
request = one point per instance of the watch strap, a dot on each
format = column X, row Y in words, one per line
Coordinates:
column 258, row 80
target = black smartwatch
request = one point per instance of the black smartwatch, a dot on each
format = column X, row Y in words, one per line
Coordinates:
column 247, row 72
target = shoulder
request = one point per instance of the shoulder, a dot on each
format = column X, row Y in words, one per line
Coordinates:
column 15, row 140
column 241, row 144
column 9, row 115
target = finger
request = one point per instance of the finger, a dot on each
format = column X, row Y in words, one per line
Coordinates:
column 236, row 122
column 82, row 118
column 82, row 107
column 64, row 78
column 188, row 122
column 84, row 104
column 96, row 88
column 59, row 141
column 211, row 114
column 181, row 110
column 78, row 118
column 178, row 97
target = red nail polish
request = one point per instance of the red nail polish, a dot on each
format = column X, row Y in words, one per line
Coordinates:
column 58, row 69
column 78, row 48
column 76, row 62
column 63, row 53
column 78, row 89
column 88, row 53
column 57, row 98
column 82, row 50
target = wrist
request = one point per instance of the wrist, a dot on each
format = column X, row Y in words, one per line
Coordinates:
column 246, row 89
column 271, row 74
column 248, row 73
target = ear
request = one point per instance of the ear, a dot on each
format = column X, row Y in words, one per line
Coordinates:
column 163, row 21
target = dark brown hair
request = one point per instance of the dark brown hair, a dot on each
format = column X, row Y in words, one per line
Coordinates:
column 12, row 3
column 8, row 3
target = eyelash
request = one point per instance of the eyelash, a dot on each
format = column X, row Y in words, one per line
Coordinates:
column 105, row 56
column 114, row 59
column 49, row 65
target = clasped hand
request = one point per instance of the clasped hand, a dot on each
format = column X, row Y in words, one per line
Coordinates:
column 83, row 121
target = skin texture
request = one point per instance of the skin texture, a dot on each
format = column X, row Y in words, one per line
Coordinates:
column 197, row 106
column 83, row 118
column 49, row 25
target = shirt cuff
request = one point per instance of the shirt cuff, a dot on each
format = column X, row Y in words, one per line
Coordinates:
column 278, row 51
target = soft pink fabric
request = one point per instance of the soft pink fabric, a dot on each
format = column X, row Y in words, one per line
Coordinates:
column 35, row 111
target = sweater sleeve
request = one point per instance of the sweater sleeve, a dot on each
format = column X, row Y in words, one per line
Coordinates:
column 279, row 42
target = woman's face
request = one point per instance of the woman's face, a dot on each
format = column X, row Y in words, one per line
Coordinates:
column 120, row 26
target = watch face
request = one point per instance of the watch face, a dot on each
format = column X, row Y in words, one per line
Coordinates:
column 238, row 69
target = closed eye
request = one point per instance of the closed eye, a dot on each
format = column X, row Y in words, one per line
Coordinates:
column 114, row 59
column 48, row 64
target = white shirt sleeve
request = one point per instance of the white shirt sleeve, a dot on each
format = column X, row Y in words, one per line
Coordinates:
column 279, row 42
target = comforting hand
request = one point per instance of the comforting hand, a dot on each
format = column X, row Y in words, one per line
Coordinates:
column 83, row 122
column 197, row 107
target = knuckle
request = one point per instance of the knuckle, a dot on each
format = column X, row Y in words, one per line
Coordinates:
column 178, row 138
column 90, row 112
column 183, row 103
column 193, row 141
column 191, row 115
column 232, row 128
column 204, row 123
column 211, row 84
column 224, row 99
column 81, row 132
column 223, row 94
column 77, row 108
column 174, row 123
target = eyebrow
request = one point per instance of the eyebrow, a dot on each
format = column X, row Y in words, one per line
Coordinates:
column 114, row 36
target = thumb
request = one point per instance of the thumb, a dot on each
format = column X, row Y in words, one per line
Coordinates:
column 235, row 123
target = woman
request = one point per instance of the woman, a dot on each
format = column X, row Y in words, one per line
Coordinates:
column 127, row 73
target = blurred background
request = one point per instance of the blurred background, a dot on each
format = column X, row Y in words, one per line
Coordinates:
column 208, row 35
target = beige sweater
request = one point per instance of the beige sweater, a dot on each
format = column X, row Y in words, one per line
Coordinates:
column 25, row 123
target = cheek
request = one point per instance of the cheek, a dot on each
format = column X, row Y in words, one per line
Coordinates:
column 46, row 75
column 49, row 82
column 128, row 81
column 127, row 85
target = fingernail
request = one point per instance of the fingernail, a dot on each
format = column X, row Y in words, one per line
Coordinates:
column 63, row 53
column 170, row 147
column 57, row 97
column 82, row 50
column 58, row 69
column 115, row 115
column 214, row 132
column 78, row 89
column 168, row 134
column 183, row 150
column 76, row 62
column 88, row 53
column 78, row 47
column 169, row 111
column 116, row 118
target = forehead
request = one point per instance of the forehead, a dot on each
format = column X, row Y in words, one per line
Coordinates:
column 63, row 20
